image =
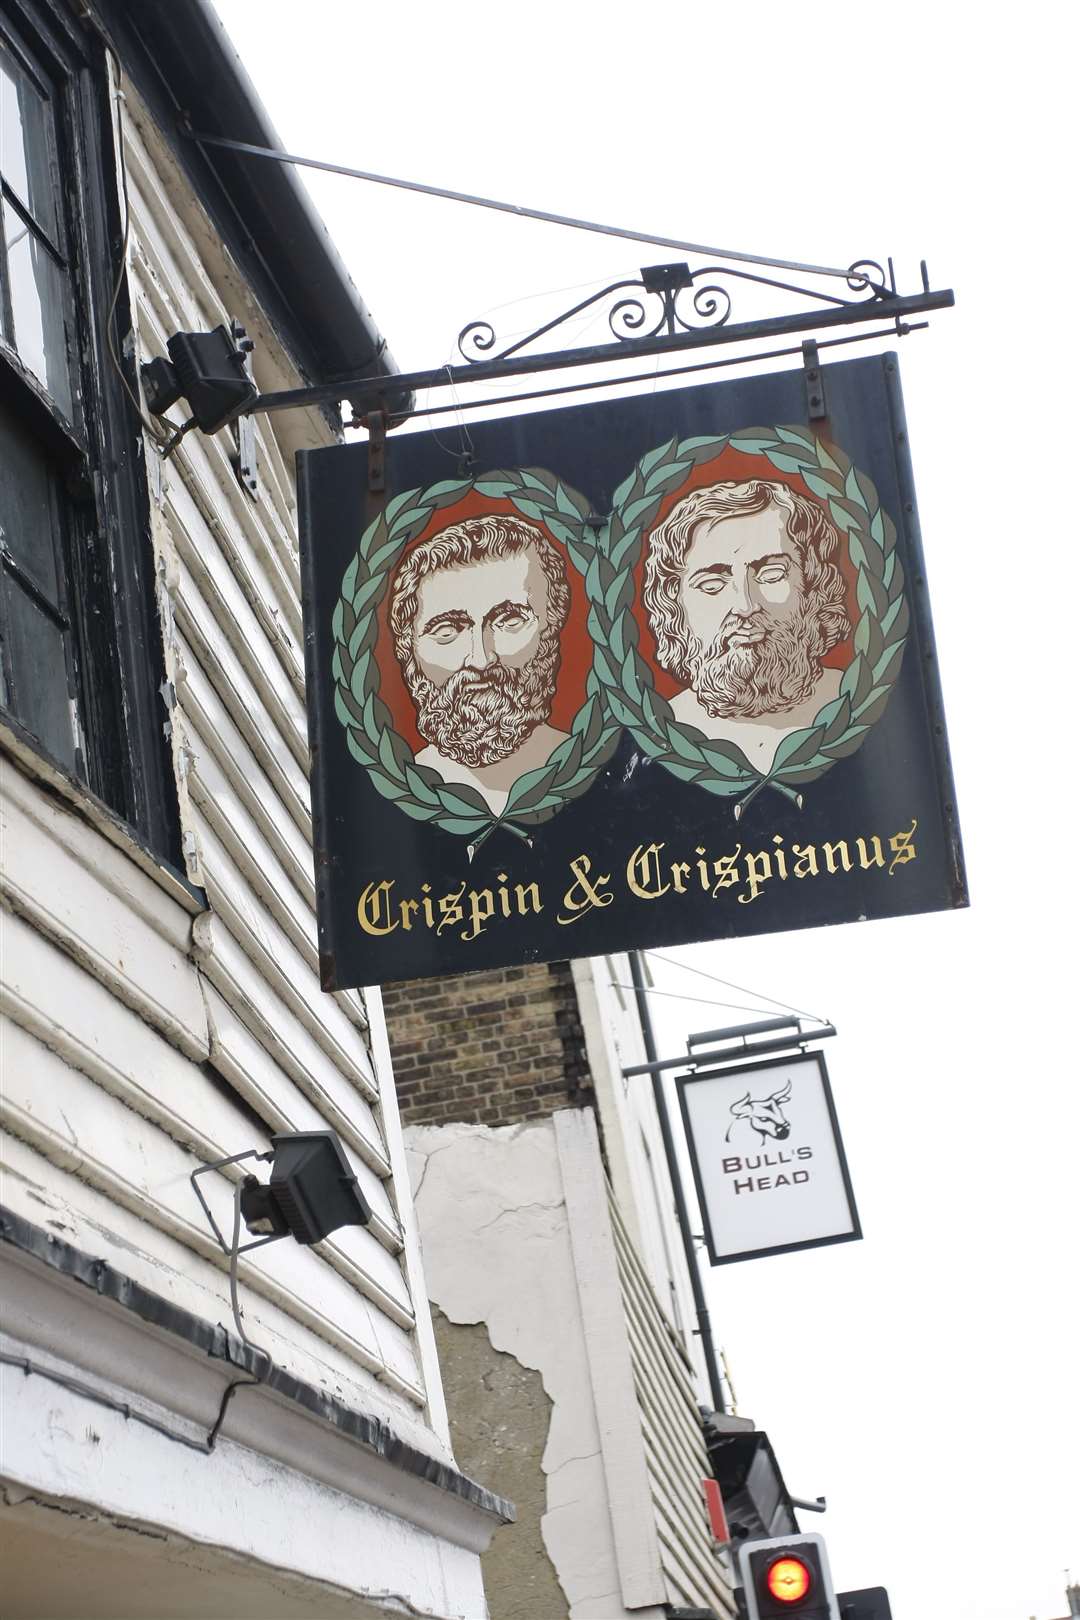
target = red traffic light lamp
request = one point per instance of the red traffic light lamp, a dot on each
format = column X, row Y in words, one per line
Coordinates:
column 787, row 1575
column 789, row 1579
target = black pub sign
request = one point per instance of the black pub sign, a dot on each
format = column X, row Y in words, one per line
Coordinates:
column 626, row 674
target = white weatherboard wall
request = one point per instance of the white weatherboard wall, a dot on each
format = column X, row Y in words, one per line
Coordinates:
column 520, row 1233
column 146, row 1032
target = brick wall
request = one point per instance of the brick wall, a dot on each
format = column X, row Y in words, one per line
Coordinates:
column 488, row 1048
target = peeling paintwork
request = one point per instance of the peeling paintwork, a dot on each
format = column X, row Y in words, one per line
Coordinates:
column 492, row 1209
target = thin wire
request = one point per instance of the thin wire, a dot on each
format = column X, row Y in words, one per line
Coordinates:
column 464, row 453
column 742, row 989
column 467, row 453
column 154, row 429
column 89, row 1393
column 704, row 1001
column 519, row 209
column 130, row 1413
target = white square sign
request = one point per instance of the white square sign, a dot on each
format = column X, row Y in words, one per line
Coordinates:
column 767, row 1157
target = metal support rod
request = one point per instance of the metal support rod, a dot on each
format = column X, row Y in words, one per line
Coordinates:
column 901, row 329
column 519, row 209
column 728, row 1055
column 716, row 1390
column 368, row 392
column 722, row 1059
column 218, row 1164
column 764, row 1026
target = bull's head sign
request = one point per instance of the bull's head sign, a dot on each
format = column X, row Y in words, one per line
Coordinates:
column 620, row 676
column 767, row 1158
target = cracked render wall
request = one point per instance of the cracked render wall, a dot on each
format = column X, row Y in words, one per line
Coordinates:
column 492, row 1206
column 499, row 1420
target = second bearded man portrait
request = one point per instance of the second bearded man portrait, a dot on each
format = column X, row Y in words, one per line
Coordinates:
column 745, row 597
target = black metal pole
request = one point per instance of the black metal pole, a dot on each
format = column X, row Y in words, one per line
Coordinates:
column 704, row 1329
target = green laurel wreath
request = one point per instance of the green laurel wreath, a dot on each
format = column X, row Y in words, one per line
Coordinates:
column 839, row 729
column 389, row 761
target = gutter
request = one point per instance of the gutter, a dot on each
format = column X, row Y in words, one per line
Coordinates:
column 217, row 1343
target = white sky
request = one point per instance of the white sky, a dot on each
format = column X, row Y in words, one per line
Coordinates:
column 924, row 1380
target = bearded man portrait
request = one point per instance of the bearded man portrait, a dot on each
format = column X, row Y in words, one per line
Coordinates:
column 745, row 599
column 476, row 614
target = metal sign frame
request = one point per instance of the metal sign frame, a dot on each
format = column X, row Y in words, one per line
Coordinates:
column 685, row 1081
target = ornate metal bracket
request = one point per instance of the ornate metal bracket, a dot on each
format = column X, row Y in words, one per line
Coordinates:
column 669, row 311
column 655, row 305
column 648, row 318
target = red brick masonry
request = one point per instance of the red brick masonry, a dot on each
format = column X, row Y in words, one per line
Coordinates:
column 488, row 1048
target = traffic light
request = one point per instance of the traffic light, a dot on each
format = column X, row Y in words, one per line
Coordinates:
column 788, row 1575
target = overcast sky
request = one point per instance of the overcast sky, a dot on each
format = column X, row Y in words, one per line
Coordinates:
column 924, row 1380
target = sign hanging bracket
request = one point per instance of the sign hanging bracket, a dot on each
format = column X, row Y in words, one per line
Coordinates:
column 816, row 408
column 375, row 422
column 693, row 314
column 668, row 310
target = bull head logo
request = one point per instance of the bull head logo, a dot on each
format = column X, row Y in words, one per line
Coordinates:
column 764, row 1114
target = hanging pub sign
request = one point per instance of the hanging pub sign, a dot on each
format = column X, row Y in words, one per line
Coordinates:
column 768, row 1161
column 632, row 673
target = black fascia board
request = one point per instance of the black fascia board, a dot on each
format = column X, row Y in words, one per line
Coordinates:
column 192, row 78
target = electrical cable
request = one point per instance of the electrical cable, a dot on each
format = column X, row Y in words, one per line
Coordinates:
column 206, row 1446
column 130, row 1413
column 89, row 1393
column 154, row 429
column 234, row 1255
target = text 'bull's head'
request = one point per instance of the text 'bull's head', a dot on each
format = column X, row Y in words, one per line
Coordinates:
column 765, row 1114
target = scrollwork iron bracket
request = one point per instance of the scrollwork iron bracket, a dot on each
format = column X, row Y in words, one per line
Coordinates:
column 670, row 300
column 667, row 311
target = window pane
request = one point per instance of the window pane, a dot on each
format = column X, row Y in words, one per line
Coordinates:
column 25, row 118
column 37, row 304
column 37, row 667
column 28, row 522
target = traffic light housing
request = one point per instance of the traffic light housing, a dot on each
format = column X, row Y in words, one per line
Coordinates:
column 868, row 1603
column 787, row 1575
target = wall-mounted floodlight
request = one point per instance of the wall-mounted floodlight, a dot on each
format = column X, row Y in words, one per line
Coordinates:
column 311, row 1192
column 209, row 370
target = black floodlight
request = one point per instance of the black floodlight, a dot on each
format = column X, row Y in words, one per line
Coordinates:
column 313, row 1186
column 311, row 1192
column 209, row 370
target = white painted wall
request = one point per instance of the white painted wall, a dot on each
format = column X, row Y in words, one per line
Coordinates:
column 518, row 1234
column 145, row 1033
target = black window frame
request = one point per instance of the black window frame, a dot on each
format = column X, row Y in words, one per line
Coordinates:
column 117, row 657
